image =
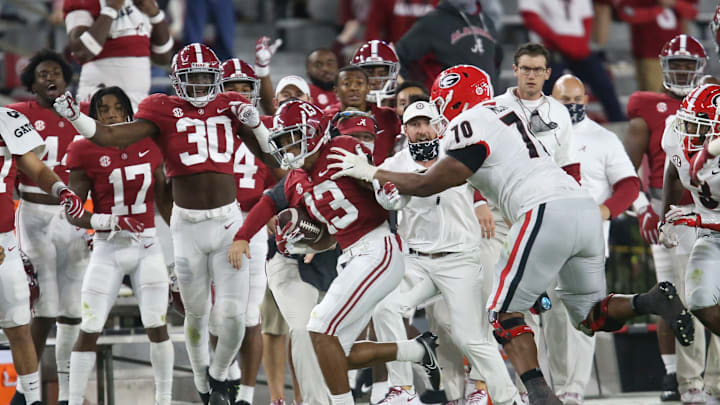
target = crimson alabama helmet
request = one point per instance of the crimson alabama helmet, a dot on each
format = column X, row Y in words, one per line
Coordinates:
column 235, row 70
column 457, row 89
column 697, row 120
column 195, row 74
column 297, row 124
column 371, row 55
column 32, row 278
column 682, row 48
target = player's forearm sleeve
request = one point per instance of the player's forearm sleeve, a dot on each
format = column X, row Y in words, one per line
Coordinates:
column 624, row 193
column 258, row 216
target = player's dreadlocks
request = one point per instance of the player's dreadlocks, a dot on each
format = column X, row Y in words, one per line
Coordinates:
column 96, row 100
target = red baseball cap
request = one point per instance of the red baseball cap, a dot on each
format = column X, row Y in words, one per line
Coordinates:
column 351, row 125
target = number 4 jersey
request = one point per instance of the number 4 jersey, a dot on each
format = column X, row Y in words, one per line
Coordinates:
column 706, row 195
column 122, row 179
column 511, row 167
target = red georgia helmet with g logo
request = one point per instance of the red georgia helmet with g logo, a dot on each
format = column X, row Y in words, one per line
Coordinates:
column 698, row 119
column 236, row 70
column 457, row 89
column 297, row 123
column 373, row 54
column 680, row 80
column 195, row 60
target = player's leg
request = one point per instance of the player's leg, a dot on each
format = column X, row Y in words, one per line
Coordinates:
column 231, row 298
column 72, row 253
column 703, row 285
column 712, row 369
column 191, row 267
column 15, row 318
column 459, row 278
column 450, row 357
column 296, row 300
column 274, row 358
column 251, row 347
column 100, row 286
column 150, row 284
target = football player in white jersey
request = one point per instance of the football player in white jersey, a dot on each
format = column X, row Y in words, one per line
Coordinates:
column 489, row 147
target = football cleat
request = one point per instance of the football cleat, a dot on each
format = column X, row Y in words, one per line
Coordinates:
column 670, row 388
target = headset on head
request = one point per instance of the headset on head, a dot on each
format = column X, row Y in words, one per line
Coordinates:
column 341, row 115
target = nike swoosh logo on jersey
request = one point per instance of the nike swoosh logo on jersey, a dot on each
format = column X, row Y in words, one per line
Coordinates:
column 12, row 248
column 364, row 388
column 143, row 153
column 222, row 110
column 714, row 172
column 322, row 173
column 229, row 225
column 147, row 246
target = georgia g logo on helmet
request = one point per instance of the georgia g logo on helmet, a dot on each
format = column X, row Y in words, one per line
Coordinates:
column 449, row 80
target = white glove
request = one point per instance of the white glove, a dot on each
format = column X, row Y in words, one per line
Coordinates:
column 677, row 213
column 246, row 113
column 351, row 164
column 67, row 107
column 668, row 237
column 388, row 196
column 264, row 52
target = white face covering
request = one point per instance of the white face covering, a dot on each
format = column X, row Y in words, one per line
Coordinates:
column 468, row 6
column 369, row 145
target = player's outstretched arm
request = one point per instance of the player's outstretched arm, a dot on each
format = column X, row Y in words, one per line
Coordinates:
column 163, row 196
column 447, row 172
column 636, row 140
column 50, row 183
column 104, row 135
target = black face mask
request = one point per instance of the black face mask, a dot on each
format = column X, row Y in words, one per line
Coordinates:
column 424, row 151
column 326, row 86
column 577, row 112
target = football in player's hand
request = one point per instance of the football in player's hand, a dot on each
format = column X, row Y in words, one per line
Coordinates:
column 311, row 230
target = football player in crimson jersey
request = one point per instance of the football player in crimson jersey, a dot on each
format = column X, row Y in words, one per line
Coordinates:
column 57, row 249
column 489, row 147
column 352, row 88
column 125, row 183
column 18, row 143
column 371, row 265
column 196, row 132
column 683, row 60
column 382, row 66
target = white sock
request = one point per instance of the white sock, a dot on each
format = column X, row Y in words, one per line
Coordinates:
column 196, row 344
column 342, row 399
column 245, row 393
column 64, row 341
column 379, row 391
column 670, row 361
column 31, row 386
column 81, row 365
column 409, row 350
column 162, row 357
column 234, row 372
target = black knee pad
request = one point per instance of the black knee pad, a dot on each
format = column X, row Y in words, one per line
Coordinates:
column 598, row 319
column 506, row 330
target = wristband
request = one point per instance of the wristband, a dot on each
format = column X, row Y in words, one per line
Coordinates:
column 263, row 137
column 262, row 71
column 640, row 203
column 85, row 125
column 157, row 18
column 167, row 46
column 109, row 12
column 57, row 188
column 101, row 222
column 90, row 43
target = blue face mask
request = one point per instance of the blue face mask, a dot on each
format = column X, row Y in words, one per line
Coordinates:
column 424, row 151
column 577, row 112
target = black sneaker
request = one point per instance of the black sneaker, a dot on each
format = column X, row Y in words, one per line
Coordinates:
column 18, row 399
column 219, row 391
column 430, row 361
column 242, row 403
column 204, row 397
column 62, row 403
column 668, row 305
column 670, row 388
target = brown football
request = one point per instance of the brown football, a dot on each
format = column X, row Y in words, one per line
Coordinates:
column 312, row 230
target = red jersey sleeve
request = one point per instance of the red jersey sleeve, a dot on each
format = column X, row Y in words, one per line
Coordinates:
column 151, row 107
column 634, row 106
column 297, row 184
column 389, row 127
column 92, row 6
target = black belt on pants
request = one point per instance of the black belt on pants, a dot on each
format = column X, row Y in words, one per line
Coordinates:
column 430, row 255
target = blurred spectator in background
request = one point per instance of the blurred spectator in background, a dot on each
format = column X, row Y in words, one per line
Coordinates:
column 565, row 28
column 115, row 41
column 652, row 24
column 322, row 66
column 353, row 19
column 223, row 16
column 456, row 32
column 405, row 91
column 389, row 20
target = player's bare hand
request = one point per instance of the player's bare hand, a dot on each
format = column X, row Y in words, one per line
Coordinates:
column 604, row 212
column 236, row 252
column 487, row 221
column 272, row 224
column 246, row 113
column 67, row 107
column 308, row 258
column 116, row 4
column 148, row 7
column 2, row 254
